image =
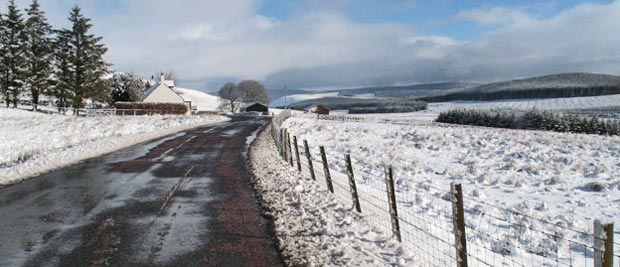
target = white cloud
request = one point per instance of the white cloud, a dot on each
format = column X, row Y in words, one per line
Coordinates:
column 495, row 16
column 209, row 42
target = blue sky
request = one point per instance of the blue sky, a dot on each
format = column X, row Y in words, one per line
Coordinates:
column 347, row 43
column 431, row 17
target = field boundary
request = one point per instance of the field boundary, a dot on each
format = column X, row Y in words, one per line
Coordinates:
column 445, row 226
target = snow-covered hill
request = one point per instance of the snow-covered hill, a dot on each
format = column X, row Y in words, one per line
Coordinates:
column 203, row 101
column 562, row 80
column 280, row 102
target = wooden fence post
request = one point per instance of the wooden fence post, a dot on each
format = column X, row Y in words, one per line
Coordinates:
column 307, row 149
column 391, row 194
column 356, row 200
column 598, row 244
column 603, row 244
column 283, row 141
column 328, row 177
column 297, row 153
column 458, row 221
column 290, row 149
column 608, row 256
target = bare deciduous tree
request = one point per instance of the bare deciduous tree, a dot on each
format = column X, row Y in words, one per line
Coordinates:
column 230, row 95
column 253, row 91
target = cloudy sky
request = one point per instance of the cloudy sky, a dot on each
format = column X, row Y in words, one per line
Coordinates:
column 348, row 43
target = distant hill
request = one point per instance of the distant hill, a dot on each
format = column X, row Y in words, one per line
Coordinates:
column 549, row 86
column 364, row 105
column 275, row 94
column 417, row 90
column 406, row 90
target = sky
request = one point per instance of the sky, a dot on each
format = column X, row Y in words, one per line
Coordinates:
column 314, row 44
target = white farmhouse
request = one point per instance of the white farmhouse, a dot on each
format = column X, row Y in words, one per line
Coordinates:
column 163, row 92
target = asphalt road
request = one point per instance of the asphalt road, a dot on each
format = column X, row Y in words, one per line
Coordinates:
column 183, row 200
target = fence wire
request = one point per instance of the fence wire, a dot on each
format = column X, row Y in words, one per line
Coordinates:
column 496, row 235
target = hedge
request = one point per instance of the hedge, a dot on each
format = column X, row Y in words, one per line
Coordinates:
column 141, row 108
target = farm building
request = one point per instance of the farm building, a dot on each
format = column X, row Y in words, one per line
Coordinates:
column 319, row 110
column 254, row 107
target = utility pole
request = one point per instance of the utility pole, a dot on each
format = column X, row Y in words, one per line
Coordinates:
column 285, row 97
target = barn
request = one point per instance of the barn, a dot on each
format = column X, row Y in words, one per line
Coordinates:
column 255, row 107
column 322, row 110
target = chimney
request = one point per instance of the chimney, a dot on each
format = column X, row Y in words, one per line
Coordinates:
column 162, row 77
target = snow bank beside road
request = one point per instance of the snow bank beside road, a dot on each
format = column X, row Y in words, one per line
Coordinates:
column 313, row 228
column 32, row 143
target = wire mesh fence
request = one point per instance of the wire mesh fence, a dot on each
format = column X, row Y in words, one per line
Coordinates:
column 431, row 225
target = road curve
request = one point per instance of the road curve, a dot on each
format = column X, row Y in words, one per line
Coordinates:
column 183, row 200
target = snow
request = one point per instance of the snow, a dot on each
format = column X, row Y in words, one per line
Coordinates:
column 203, row 101
column 313, row 227
column 32, row 143
column 567, row 179
column 299, row 97
column 586, row 102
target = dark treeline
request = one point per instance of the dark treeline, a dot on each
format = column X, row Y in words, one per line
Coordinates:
column 532, row 120
column 525, row 93
column 362, row 105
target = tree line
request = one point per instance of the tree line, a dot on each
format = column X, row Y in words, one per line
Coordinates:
column 532, row 120
column 65, row 63
column 233, row 95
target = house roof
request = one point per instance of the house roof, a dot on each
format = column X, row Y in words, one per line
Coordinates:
column 151, row 89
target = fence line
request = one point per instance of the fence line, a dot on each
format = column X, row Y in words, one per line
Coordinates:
column 440, row 232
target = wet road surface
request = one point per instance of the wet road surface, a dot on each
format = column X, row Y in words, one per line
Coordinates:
column 183, row 200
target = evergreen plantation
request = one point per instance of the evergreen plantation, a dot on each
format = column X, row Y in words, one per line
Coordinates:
column 532, row 120
column 65, row 63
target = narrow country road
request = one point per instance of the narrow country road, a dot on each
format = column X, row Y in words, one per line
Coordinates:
column 184, row 200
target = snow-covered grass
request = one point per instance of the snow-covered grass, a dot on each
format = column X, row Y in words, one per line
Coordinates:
column 280, row 102
column 313, row 228
column 568, row 180
column 587, row 102
column 32, row 143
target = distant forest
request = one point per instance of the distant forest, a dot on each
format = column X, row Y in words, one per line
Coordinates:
column 364, row 105
column 532, row 120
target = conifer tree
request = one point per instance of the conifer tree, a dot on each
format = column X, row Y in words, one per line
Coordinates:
column 62, row 73
column 12, row 48
column 38, row 53
column 85, row 56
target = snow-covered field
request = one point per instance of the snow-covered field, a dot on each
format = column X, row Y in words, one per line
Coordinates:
column 514, row 182
column 203, row 101
column 313, row 228
column 587, row 102
column 280, row 102
column 32, row 143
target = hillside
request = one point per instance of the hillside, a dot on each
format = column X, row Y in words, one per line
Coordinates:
column 364, row 105
column 406, row 90
column 202, row 100
column 417, row 90
column 549, row 86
